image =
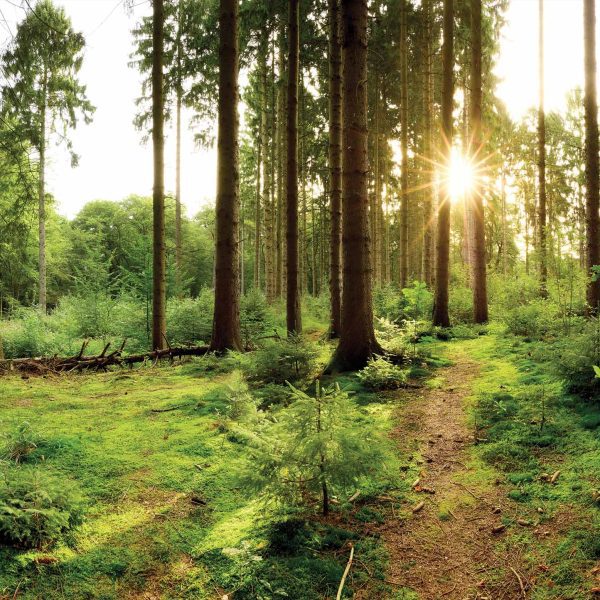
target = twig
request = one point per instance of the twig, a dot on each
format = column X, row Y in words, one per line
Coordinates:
column 520, row 582
column 346, row 571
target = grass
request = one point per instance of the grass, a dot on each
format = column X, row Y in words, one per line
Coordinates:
column 532, row 428
column 164, row 513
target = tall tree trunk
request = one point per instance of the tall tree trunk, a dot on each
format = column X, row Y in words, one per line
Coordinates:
column 441, row 317
column 335, row 166
column 542, row 221
column 226, row 322
column 280, row 144
column 357, row 337
column 269, row 191
column 159, row 288
column 404, row 143
column 262, row 170
column 480, row 302
column 293, row 312
column 42, row 302
column 428, row 148
column 591, row 154
column 179, row 101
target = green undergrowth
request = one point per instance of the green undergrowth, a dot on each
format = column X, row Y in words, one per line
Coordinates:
column 529, row 428
column 153, row 456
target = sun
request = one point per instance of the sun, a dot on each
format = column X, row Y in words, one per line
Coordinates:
column 460, row 176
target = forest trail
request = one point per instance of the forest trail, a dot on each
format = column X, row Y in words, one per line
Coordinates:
column 445, row 545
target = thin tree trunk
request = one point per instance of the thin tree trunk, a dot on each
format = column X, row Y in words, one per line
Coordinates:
column 480, row 302
column 226, row 322
column 542, row 225
column 179, row 100
column 335, row 166
column 159, row 292
column 293, row 312
column 440, row 310
column 279, row 285
column 42, row 200
column 591, row 155
column 428, row 150
column 269, row 193
column 357, row 337
column 404, row 143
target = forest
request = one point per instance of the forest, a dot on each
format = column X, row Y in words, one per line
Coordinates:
column 369, row 368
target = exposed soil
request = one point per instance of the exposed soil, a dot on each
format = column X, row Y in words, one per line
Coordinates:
column 449, row 548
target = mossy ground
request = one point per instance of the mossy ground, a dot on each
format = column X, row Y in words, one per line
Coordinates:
column 165, row 516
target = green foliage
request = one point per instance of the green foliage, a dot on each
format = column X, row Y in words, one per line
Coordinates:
column 318, row 446
column 418, row 301
column 576, row 356
column 37, row 511
column 533, row 320
column 189, row 320
column 241, row 404
column 460, row 305
column 381, row 374
column 255, row 317
column 20, row 443
column 292, row 359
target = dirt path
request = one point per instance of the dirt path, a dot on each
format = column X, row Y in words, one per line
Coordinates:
column 447, row 549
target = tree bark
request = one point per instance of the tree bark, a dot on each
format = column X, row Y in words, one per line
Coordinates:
column 404, row 143
column 42, row 301
column 357, row 337
column 591, row 154
column 179, row 101
column 226, row 322
column 428, row 148
column 159, row 321
column 542, row 224
column 335, row 166
column 280, row 144
column 480, row 302
column 441, row 317
column 293, row 311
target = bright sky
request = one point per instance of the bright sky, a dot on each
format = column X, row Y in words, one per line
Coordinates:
column 115, row 164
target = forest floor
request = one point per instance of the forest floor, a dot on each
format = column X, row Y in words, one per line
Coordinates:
column 167, row 519
column 485, row 520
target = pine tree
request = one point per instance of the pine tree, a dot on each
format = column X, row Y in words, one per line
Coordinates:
column 591, row 155
column 480, row 304
column 43, row 91
column 357, row 337
column 441, row 317
column 226, row 334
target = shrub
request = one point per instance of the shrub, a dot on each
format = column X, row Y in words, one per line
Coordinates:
column 319, row 446
column 35, row 510
column 418, row 301
column 533, row 320
column 460, row 305
column 575, row 357
column 388, row 303
column 292, row 359
column 380, row 374
column 189, row 320
column 20, row 443
column 255, row 316
column 241, row 405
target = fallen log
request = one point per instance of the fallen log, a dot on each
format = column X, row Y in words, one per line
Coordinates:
column 57, row 364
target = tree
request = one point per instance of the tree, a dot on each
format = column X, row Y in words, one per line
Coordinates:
column 335, row 166
column 480, row 304
column 591, row 155
column 294, row 320
column 42, row 66
column 357, row 337
column 404, row 213
column 226, row 334
column 159, row 269
column 542, row 224
column 440, row 308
